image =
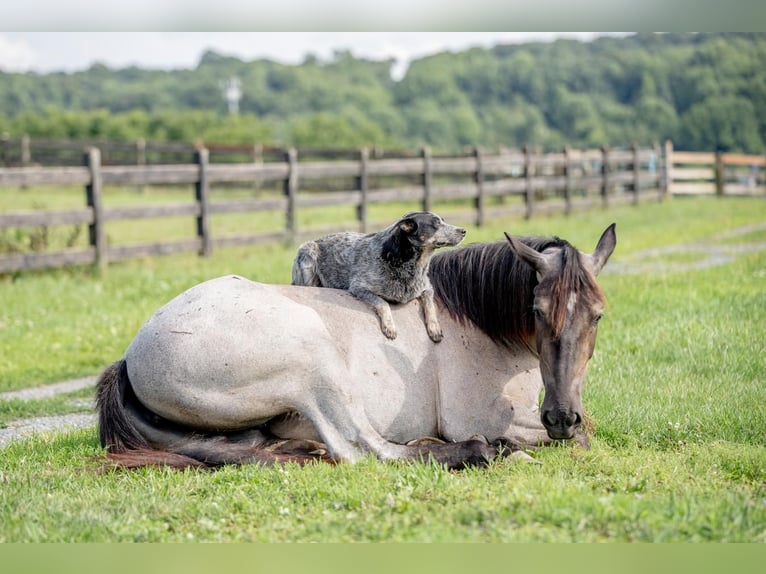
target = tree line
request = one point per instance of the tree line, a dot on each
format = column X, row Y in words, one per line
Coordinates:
column 704, row 91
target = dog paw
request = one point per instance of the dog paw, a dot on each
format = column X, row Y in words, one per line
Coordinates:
column 435, row 333
column 389, row 331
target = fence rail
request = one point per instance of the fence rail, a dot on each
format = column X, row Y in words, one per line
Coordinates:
column 706, row 173
column 485, row 186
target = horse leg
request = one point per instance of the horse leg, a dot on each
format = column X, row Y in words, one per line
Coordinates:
column 342, row 422
column 343, row 426
column 347, row 432
column 134, row 436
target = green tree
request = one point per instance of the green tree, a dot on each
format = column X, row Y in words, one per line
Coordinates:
column 722, row 124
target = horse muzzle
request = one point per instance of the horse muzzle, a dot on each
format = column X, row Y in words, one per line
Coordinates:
column 561, row 425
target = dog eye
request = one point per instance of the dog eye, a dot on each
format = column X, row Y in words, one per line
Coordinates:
column 538, row 313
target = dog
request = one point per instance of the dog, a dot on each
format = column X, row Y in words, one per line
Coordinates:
column 378, row 268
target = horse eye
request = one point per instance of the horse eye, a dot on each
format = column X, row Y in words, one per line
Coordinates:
column 598, row 318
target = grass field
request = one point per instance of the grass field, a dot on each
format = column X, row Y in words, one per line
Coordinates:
column 677, row 390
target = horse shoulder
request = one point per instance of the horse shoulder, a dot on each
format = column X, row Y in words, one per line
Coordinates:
column 484, row 388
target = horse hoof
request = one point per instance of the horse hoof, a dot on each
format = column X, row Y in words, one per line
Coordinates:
column 425, row 440
column 521, row 456
column 480, row 437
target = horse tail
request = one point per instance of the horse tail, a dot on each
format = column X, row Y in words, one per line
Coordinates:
column 116, row 430
column 305, row 271
column 135, row 437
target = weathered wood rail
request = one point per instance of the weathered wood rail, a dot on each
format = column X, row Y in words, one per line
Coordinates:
column 541, row 183
column 708, row 173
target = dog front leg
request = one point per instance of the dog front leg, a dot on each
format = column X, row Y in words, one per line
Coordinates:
column 381, row 308
column 429, row 315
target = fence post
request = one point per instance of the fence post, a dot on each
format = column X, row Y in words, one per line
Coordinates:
column 720, row 181
column 667, row 187
column 658, row 169
column 141, row 158
column 140, row 152
column 636, row 173
column 290, row 190
column 479, row 180
column 567, row 183
column 201, row 194
column 4, row 140
column 96, row 235
column 26, row 150
column 426, row 154
column 257, row 160
column 605, row 176
column 528, row 182
column 362, row 184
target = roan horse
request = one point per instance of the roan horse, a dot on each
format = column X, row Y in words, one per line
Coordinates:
column 231, row 367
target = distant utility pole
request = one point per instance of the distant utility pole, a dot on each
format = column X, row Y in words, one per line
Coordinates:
column 232, row 93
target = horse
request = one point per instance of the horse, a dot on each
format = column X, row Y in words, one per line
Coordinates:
column 231, row 367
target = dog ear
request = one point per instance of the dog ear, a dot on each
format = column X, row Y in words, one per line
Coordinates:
column 408, row 225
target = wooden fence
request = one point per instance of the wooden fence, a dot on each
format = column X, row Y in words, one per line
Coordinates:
column 707, row 173
column 486, row 184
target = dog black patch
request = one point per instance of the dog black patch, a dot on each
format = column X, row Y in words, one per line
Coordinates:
column 397, row 249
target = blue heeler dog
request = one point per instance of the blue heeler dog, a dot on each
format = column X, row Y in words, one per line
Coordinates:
column 391, row 265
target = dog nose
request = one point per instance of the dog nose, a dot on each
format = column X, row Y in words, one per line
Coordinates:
column 461, row 231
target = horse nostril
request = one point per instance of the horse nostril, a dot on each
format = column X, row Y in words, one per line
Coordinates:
column 547, row 419
column 574, row 420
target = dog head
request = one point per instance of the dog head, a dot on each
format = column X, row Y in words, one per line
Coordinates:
column 416, row 233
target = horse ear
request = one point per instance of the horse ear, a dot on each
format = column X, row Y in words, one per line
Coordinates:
column 604, row 249
column 533, row 258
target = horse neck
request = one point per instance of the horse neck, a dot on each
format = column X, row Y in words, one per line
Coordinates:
column 489, row 286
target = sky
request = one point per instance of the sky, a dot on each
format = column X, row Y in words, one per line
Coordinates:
column 72, row 51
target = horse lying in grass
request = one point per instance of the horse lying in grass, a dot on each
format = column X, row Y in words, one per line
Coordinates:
column 231, row 367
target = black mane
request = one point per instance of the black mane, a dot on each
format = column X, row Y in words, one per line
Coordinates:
column 487, row 284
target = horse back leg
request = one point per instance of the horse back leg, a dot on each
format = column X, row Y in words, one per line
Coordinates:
column 135, row 437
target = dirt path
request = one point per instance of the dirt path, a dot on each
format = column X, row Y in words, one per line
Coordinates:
column 23, row 428
column 716, row 250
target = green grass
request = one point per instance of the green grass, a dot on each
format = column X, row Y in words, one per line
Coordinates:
column 695, row 493
column 677, row 390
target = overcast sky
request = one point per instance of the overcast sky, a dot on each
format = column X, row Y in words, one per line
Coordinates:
column 71, row 51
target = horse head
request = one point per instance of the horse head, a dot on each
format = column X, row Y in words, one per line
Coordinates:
column 568, row 305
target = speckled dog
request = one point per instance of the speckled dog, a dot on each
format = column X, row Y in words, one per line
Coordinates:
column 388, row 266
